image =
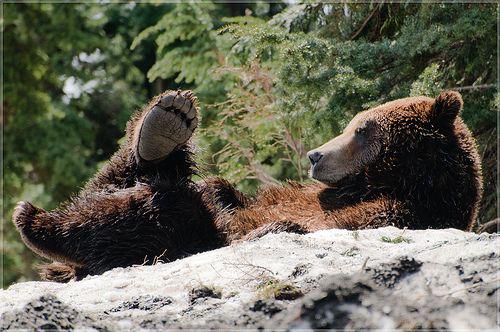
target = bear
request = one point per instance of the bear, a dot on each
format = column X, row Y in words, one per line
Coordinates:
column 408, row 163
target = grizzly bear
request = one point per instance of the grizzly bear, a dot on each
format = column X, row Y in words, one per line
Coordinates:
column 408, row 163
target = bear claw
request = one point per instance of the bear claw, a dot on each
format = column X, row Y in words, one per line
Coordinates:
column 167, row 125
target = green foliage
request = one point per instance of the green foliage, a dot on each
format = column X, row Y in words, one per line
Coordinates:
column 187, row 47
column 37, row 125
column 429, row 83
column 192, row 26
column 70, row 84
column 295, row 79
column 298, row 78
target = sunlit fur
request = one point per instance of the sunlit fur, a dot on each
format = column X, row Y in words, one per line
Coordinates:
column 423, row 172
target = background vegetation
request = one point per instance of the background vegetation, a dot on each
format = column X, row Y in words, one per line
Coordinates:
column 273, row 80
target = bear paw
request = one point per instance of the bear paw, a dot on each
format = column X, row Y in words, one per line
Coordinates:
column 168, row 124
column 24, row 212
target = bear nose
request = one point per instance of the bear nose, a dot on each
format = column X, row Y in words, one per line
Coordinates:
column 314, row 157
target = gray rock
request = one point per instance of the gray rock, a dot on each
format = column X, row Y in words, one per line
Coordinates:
column 384, row 278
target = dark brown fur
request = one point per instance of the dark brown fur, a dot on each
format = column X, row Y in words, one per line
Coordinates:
column 426, row 175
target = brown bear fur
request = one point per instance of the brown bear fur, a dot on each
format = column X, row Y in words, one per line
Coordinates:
column 423, row 171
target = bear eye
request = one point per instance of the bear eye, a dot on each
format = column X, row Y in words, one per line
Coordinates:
column 360, row 131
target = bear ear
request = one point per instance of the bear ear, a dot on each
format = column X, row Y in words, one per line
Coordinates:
column 446, row 107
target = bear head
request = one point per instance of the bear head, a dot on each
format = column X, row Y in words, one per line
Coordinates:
column 414, row 150
column 407, row 128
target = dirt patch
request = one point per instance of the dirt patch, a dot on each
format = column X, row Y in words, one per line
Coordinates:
column 300, row 270
column 370, row 300
column 390, row 274
column 47, row 313
column 267, row 307
column 146, row 303
column 203, row 292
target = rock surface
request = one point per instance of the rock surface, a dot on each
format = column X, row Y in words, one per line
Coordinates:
column 384, row 278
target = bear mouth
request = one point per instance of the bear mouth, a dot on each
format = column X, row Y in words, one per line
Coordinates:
column 337, row 182
column 326, row 180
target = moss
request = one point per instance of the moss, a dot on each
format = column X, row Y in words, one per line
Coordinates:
column 397, row 239
column 351, row 252
column 204, row 291
column 279, row 290
column 232, row 294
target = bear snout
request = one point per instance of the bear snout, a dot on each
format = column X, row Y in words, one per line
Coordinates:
column 314, row 157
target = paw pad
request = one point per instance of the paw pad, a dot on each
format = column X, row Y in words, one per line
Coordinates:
column 167, row 125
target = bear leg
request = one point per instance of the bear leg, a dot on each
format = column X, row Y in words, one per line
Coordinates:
column 102, row 230
column 219, row 194
column 39, row 231
column 156, row 149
